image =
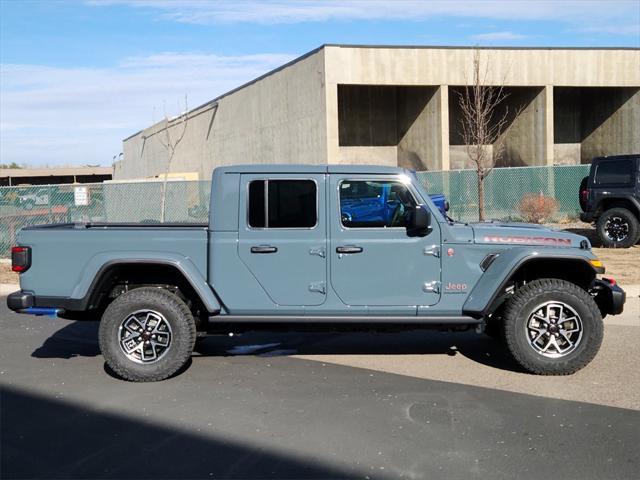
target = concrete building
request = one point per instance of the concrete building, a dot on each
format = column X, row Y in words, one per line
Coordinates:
column 399, row 106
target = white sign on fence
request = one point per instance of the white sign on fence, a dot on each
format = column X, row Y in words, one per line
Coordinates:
column 81, row 196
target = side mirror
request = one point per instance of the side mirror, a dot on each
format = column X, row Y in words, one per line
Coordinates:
column 419, row 221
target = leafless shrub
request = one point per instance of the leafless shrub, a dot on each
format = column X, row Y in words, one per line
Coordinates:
column 536, row 208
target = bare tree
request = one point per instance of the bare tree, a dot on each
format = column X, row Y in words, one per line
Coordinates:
column 170, row 145
column 483, row 123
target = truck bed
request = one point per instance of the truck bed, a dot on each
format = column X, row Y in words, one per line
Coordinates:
column 106, row 226
column 65, row 258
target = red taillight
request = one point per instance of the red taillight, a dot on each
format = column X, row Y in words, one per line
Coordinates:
column 20, row 259
column 610, row 280
column 584, row 194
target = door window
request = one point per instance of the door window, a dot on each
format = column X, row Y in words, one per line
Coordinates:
column 373, row 204
column 283, row 204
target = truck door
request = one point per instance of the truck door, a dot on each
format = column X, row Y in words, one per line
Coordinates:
column 373, row 260
column 283, row 235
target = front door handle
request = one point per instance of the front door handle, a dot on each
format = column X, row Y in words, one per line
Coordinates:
column 349, row 249
column 264, row 249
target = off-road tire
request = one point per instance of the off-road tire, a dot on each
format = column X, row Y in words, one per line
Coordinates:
column 628, row 217
column 522, row 305
column 176, row 313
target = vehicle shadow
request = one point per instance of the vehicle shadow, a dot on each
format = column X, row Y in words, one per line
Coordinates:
column 76, row 339
column 79, row 339
column 590, row 233
column 94, row 444
column 478, row 348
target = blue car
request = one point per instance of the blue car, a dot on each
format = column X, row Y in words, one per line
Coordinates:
column 441, row 202
column 381, row 203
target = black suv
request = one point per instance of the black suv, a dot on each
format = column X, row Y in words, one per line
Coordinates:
column 610, row 197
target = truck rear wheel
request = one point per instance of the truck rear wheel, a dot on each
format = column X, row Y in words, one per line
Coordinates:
column 552, row 327
column 618, row 228
column 147, row 334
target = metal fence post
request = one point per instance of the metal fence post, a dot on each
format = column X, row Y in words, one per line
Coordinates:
column 49, row 198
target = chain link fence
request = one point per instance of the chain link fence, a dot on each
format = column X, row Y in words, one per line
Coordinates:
column 504, row 188
column 188, row 201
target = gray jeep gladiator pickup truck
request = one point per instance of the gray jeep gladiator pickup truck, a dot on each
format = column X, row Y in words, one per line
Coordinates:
column 316, row 247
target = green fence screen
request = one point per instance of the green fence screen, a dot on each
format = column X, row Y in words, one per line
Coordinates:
column 505, row 187
column 185, row 202
column 188, row 202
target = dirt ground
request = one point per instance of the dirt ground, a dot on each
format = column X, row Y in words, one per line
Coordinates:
column 621, row 264
column 6, row 275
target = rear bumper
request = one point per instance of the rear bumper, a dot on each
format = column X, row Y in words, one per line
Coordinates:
column 20, row 300
column 609, row 296
column 25, row 302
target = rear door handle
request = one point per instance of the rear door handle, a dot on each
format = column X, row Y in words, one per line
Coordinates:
column 264, row 249
column 349, row 249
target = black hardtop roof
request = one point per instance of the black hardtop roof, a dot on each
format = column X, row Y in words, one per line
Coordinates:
column 617, row 157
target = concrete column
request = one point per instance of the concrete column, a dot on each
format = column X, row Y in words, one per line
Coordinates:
column 331, row 120
column 548, row 126
column 423, row 128
column 524, row 138
column 443, row 96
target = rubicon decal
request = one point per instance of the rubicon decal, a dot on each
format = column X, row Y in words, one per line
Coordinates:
column 558, row 242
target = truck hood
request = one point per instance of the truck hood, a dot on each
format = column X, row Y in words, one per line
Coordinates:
column 524, row 234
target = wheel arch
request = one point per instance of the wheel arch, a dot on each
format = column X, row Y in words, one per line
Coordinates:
column 627, row 201
column 93, row 294
column 485, row 300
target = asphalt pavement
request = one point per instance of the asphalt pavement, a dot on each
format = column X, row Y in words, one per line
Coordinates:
column 300, row 405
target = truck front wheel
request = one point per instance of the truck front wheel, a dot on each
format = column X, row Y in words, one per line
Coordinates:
column 552, row 327
column 147, row 334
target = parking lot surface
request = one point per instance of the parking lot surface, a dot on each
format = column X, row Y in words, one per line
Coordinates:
column 403, row 405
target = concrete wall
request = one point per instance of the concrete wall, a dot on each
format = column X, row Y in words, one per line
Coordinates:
column 509, row 66
column 373, row 118
column 522, row 142
column 369, row 156
column 459, row 157
column 612, row 126
column 277, row 119
column 401, row 111
column 591, row 122
column 529, row 140
column 367, row 115
column 524, row 136
column 145, row 154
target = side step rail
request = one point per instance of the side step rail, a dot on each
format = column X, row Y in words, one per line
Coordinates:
column 418, row 320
